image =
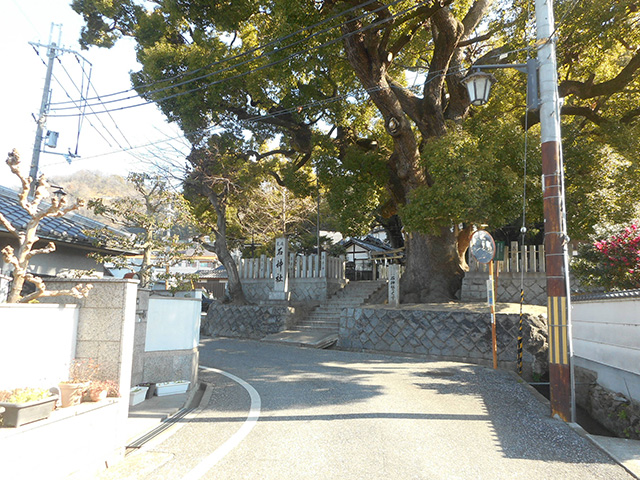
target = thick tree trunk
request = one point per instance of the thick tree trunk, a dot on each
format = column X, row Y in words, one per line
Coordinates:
column 234, row 285
column 433, row 268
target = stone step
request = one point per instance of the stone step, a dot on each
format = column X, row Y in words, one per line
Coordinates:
column 321, row 328
column 319, row 321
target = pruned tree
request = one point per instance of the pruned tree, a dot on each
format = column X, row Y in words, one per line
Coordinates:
column 213, row 179
column 153, row 217
column 27, row 236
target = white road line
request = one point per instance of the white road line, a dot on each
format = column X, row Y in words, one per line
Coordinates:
column 254, row 413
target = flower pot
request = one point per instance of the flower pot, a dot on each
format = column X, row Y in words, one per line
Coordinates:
column 137, row 395
column 151, row 389
column 171, row 388
column 97, row 395
column 71, row 393
column 17, row 414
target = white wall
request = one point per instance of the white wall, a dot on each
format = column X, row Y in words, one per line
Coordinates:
column 173, row 323
column 38, row 344
column 606, row 339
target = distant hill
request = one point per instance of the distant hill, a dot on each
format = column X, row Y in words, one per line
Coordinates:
column 88, row 184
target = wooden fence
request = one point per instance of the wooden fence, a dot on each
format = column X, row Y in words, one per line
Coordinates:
column 300, row 266
column 526, row 258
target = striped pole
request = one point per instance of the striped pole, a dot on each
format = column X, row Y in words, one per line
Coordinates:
column 520, row 333
column 555, row 233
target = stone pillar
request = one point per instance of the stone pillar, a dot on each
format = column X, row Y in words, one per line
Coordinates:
column 394, row 285
column 280, row 271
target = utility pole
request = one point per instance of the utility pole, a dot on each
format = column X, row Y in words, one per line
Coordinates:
column 556, row 239
column 42, row 118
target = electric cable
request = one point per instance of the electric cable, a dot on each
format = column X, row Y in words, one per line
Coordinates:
column 292, row 109
column 256, row 49
column 262, row 67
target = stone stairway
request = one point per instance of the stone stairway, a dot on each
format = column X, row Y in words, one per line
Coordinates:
column 320, row 328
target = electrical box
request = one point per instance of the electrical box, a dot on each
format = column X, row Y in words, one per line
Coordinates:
column 51, row 139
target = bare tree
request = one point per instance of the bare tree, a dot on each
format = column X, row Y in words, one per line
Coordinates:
column 27, row 237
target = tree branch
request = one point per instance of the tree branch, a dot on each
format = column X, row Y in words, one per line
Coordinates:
column 589, row 90
column 79, row 291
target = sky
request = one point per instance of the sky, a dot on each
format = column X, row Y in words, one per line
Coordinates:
column 113, row 144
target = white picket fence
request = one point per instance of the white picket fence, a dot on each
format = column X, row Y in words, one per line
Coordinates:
column 526, row 258
column 300, row 266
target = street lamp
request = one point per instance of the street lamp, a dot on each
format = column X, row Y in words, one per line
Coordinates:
column 479, row 87
column 561, row 378
column 479, row 83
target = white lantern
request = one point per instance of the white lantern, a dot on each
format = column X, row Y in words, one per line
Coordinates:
column 479, row 86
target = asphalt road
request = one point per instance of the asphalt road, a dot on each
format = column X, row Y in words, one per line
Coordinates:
column 281, row 412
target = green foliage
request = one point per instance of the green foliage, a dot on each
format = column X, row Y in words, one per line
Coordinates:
column 24, row 395
column 476, row 178
column 611, row 261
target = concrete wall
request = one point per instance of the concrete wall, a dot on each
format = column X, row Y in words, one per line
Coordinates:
column 606, row 340
column 92, row 434
column 171, row 338
column 74, row 442
column 106, row 324
column 38, row 344
column 447, row 332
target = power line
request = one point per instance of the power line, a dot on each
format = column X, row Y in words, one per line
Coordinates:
column 272, row 115
column 262, row 67
column 256, row 49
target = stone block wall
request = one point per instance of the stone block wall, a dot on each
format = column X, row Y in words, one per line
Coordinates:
column 303, row 290
column 142, row 307
column 474, row 287
column 106, row 324
column 247, row 321
column 446, row 333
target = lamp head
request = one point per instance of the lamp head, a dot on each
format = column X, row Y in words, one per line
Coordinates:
column 479, row 87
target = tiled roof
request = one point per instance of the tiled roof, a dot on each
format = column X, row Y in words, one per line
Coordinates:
column 219, row 272
column 369, row 243
column 67, row 229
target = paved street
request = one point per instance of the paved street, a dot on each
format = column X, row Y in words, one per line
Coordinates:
column 280, row 412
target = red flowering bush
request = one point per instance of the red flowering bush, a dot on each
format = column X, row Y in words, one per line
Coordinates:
column 612, row 263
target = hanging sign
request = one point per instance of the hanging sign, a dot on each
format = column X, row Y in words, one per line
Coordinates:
column 482, row 246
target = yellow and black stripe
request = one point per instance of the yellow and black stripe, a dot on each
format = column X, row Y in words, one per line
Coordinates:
column 520, row 333
column 558, row 330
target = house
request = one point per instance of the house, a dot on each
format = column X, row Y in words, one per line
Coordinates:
column 73, row 245
column 360, row 253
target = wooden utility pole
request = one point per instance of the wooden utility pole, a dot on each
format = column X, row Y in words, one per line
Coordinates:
column 555, row 230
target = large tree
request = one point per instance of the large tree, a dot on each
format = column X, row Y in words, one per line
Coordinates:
column 326, row 81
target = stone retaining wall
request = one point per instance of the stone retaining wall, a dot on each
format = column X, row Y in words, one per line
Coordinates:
column 301, row 289
column 447, row 333
column 613, row 410
column 474, row 287
column 247, row 321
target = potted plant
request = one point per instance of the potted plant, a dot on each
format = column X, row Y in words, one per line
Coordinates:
column 171, row 388
column 81, row 373
column 137, row 395
column 151, row 389
column 26, row 405
column 101, row 389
